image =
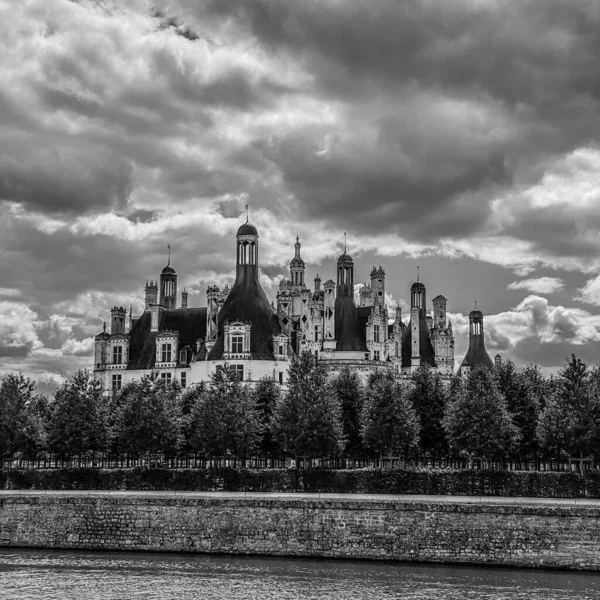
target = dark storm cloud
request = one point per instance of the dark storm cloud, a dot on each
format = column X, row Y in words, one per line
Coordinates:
column 532, row 64
column 15, row 351
column 65, row 177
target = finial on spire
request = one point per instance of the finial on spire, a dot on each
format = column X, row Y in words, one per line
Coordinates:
column 418, row 273
column 169, row 249
column 297, row 236
column 345, row 243
column 247, row 213
column 475, row 304
column 104, row 326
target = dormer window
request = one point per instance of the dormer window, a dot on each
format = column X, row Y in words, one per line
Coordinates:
column 165, row 355
column 183, row 355
column 376, row 336
column 237, row 340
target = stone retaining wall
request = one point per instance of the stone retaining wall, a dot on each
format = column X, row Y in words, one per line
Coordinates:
column 511, row 535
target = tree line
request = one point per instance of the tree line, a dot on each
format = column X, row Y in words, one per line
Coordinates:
column 509, row 413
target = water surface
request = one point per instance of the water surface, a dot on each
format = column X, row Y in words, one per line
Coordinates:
column 85, row 575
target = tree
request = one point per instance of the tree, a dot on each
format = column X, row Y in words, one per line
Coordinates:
column 570, row 421
column 16, row 392
column 78, row 417
column 308, row 420
column 349, row 391
column 518, row 389
column 225, row 419
column 476, row 420
column 266, row 397
column 147, row 417
column 187, row 407
column 389, row 422
column 35, row 429
column 428, row 396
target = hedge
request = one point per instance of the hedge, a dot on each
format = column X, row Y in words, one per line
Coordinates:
column 366, row 481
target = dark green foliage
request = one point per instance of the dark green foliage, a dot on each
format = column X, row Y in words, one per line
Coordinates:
column 389, row 422
column 308, row 419
column 188, row 405
column 224, row 419
column 266, row 396
column 477, row 422
column 523, row 390
column 349, row 391
column 146, row 418
column 16, row 392
column 78, row 422
column 570, row 421
column 35, row 429
column 428, row 396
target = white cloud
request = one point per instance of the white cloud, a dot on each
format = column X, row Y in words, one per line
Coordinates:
column 539, row 285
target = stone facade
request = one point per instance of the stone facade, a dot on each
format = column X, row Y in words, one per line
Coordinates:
column 436, row 530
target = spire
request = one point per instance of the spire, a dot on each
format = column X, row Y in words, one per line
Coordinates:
column 297, row 247
column 418, row 273
column 247, row 213
column 345, row 243
column 169, row 250
column 475, row 304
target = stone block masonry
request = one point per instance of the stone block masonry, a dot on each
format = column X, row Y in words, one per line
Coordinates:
column 520, row 533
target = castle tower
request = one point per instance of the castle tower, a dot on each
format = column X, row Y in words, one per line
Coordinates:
column 117, row 320
column 246, row 308
column 439, row 312
column 168, row 285
column 348, row 334
column 345, row 276
column 184, row 299
column 378, row 285
column 317, row 283
column 150, row 294
column 476, row 354
column 297, row 267
column 417, row 310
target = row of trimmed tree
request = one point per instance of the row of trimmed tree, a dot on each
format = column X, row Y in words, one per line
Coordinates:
column 511, row 413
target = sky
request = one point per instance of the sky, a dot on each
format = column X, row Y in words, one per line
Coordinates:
column 461, row 137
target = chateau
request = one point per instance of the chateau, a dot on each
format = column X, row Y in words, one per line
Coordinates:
column 240, row 327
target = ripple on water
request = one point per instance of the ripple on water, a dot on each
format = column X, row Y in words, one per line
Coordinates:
column 75, row 575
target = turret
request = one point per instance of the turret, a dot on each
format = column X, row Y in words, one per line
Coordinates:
column 476, row 354
column 297, row 267
column 439, row 312
column 168, row 285
column 150, row 294
column 345, row 275
column 317, row 283
column 378, row 285
column 117, row 320
column 184, row 299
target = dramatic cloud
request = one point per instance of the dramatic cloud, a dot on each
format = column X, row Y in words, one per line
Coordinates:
column 463, row 133
column 541, row 285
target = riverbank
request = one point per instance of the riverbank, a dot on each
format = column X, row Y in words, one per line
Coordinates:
column 517, row 532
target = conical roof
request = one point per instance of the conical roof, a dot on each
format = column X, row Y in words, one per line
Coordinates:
column 248, row 302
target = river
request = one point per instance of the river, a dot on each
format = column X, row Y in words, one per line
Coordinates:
column 32, row 574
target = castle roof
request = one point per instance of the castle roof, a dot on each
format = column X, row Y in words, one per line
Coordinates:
column 169, row 269
column 190, row 323
column 349, row 333
column 247, row 229
column 248, row 302
column 345, row 258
